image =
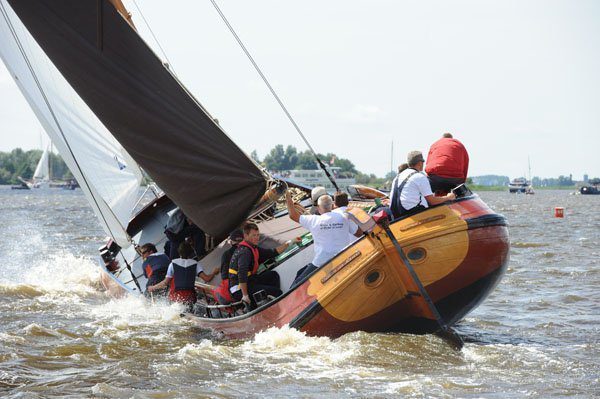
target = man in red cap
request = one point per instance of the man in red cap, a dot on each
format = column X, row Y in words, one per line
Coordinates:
column 447, row 164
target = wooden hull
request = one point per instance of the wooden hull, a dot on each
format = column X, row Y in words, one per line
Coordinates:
column 459, row 251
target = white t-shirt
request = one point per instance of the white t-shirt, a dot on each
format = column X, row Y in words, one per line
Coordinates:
column 184, row 263
column 330, row 233
column 415, row 190
column 343, row 210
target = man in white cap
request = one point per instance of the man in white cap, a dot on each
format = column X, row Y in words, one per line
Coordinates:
column 315, row 194
column 411, row 191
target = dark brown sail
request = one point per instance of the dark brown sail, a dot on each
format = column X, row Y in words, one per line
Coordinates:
column 146, row 109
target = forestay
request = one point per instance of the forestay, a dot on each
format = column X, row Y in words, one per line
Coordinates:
column 147, row 110
column 107, row 175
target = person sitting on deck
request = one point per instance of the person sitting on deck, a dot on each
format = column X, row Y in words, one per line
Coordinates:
column 221, row 293
column 235, row 237
column 244, row 281
column 340, row 200
column 181, row 277
column 155, row 265
column 447, row 164
column 411, row 191
column 330, row 231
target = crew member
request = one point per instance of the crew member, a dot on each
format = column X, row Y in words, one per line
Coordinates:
column 411, row 191
column 155, row 265
column 447, row 164
column 221, row 293
column 181, row 277
column 340, row 201
column 315, row 194
column 179, row 228
column 330, row 231
column 244, row 281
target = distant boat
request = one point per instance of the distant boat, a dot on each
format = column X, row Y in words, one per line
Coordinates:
column 316, row 177
column 42, row 170
column 519, row 185
column 25, row 185
column 592, row 188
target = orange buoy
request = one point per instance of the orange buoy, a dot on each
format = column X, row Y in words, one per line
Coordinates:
column 559, row 212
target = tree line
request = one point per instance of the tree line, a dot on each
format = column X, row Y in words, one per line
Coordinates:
column 289, row 158
column 22, row 163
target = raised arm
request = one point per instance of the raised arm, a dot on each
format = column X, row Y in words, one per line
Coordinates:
column 292, row 211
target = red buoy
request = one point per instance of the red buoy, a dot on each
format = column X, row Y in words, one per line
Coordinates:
column 559, row 212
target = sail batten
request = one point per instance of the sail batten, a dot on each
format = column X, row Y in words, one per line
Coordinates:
column 147, row 110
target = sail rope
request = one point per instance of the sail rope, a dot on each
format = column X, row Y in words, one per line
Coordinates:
column 281, row 104
column 164, row 53
column 50, row 109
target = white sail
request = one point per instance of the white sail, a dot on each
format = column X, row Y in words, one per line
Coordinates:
column 107, row 175
column 42, row 170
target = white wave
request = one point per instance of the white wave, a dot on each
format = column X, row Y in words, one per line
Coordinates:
column 38, row 330
column 124, row 317
column 11, row 339
column 64, row 273
column 285, row 351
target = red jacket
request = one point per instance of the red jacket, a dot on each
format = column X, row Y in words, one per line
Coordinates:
column 447, row 158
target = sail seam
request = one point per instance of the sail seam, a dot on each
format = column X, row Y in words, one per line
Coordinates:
column 46, row 101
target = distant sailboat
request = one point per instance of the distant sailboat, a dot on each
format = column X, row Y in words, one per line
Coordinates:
column 42, row 170
column 529, row 189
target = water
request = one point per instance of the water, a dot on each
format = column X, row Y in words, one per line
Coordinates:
column 60, row 336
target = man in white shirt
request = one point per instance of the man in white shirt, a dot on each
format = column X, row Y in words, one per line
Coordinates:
column 340, row 201
column 330, row 231
column 411, row 190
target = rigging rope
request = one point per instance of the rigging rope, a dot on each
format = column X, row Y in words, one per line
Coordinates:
column 154, row 36
column 283, row 107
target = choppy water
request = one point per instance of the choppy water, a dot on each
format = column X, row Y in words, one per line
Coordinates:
column 60, row 336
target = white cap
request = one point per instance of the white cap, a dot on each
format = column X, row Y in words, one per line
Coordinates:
column 316, row 193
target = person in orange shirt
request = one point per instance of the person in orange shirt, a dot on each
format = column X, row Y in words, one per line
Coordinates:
column 447, row 164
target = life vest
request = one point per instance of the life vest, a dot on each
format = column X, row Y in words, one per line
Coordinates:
column 254, row 251
column 184, row 278
column 182, row 285
column 155, row 268
column 233, row 272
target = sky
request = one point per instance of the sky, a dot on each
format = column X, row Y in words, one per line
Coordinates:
column 513, row 80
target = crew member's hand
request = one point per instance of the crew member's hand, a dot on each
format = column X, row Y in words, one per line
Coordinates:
column 451, row 196
column 246, row 299
column 297, row 240
column 151, row 288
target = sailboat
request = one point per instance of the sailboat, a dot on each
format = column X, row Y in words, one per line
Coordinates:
column 127, row 111
column 41, row 175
